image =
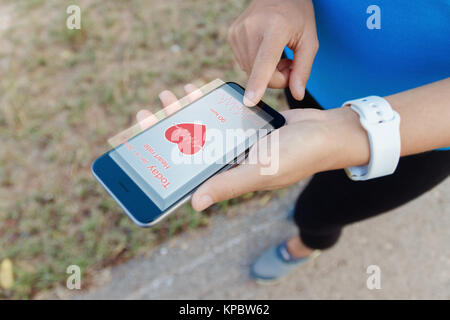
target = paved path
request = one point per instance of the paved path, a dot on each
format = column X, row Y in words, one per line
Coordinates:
column 411, row 245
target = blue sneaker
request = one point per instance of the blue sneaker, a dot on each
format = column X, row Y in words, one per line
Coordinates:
column 276, row 263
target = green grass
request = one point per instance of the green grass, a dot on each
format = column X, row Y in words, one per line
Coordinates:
column 63, row 93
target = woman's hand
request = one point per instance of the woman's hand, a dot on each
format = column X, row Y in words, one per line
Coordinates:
column 311, row 142
column 258, row 38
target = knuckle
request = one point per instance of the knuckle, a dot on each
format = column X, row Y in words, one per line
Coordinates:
column 277, row 20
column 316, row 45
column 232, row 192
column 248, row 25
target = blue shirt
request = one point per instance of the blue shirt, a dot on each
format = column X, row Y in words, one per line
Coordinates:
column 411, row 48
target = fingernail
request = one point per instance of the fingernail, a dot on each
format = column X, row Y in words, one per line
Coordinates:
column 249, row 98
column 162, row 94
column 205, row 202
column 189, row 87
column 300, row 90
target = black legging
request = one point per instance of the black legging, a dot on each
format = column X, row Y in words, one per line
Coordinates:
column 331, row 200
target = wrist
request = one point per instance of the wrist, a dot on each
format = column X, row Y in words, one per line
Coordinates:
column 346, row 139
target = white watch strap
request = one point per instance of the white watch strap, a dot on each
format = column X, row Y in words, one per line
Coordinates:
column 382, row 124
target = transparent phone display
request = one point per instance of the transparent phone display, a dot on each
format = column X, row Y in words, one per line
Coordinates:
column 174, row 151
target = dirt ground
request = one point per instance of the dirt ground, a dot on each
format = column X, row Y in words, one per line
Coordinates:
column 409, row 245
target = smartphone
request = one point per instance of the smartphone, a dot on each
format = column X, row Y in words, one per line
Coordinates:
column 156, row 171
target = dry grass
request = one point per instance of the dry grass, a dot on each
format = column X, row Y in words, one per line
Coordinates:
column 62, row 94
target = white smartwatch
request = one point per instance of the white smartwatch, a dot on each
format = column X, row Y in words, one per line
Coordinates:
column 382, row 124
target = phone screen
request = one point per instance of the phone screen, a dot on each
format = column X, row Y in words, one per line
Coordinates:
column 174, row 156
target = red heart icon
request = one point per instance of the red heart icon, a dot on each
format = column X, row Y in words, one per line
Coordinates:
column 190, row 137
